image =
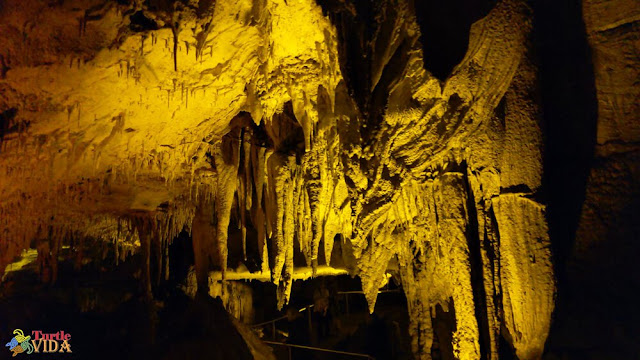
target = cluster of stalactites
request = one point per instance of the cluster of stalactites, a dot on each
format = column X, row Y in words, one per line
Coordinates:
column 286, row 194
column 51, row 229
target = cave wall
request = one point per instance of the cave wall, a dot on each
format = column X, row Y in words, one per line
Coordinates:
column 596, row 316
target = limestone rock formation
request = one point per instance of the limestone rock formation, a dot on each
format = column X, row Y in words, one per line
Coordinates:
column 272, row 129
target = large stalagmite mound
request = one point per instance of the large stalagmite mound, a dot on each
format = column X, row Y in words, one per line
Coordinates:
column 281, row 127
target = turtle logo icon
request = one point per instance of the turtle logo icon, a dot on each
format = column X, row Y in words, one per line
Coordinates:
column 20, row 343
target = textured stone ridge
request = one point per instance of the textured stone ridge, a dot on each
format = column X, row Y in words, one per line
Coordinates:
column 137, row 121
column 526, row 272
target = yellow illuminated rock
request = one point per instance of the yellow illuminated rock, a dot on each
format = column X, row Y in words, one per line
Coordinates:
column 240, row 116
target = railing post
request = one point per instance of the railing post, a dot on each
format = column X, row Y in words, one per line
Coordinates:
column 273, row 330
column 289, row 347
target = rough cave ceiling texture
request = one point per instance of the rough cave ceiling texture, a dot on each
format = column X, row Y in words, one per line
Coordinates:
column 295, row 122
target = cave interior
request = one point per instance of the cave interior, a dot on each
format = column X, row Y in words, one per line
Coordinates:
column 320, row 179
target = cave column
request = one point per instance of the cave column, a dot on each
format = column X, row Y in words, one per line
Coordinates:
column 451, row 200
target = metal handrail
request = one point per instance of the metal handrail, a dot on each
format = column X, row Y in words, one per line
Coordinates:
column 280, row 318
column 362, row 292
column 311, row 305
column 320, row 349
column 289, row 346
column 268, row 322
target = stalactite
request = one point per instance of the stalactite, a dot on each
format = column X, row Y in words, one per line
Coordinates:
column 314, row 188
column 373, row 264
column 227, row 159
column 303, row 220
column 175, row 31
column 244, row 189
column 258, row 162
column 288, row 232
column 278, row 176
